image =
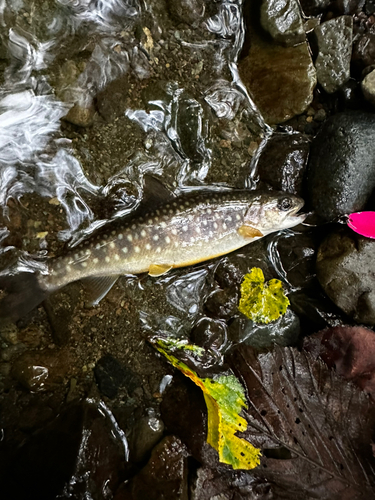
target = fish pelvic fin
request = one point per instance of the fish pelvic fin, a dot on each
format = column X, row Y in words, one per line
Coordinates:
column 23, row 293
column 249, row 232
column 159, row 269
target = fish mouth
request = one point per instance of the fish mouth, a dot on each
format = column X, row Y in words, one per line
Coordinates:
column 296, row 216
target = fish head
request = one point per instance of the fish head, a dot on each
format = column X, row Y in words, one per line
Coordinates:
column 274, row 211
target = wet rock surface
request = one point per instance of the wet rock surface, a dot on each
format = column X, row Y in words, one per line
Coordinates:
column 280, row 79
column 341, row 176
column 282, row 19
column 344, row 269
column 334, row 39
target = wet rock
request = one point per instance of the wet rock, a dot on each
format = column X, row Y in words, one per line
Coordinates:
column 283, row 161
column 41, row 371
column 364, row 51
column 112, row 102
column 184, row 414
column 350, row 95
column 186, row 11
column 368, row 87
column 370, row 7
column 209, row 334
column 191, row 129
column 334, row 39
column 146, row 432
column 165, row 475
column 110, row 375
column 222, row 303
column 314, row 7
column 211, row 484
column 280, row 79
column 345, row 270
column 81, row 116
column 341, row 174
column 284, row 331
column 282, row 20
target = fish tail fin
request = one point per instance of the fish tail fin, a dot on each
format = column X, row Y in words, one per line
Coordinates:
column 22, row 294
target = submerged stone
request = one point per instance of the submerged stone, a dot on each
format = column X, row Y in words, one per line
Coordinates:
column 281, row 80
column 283, row 161
column 368, row 87
column 334, row 39
column 341, row 174
column 345, row 271
column 282, row 19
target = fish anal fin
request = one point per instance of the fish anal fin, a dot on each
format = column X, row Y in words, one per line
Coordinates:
column 97, row 287
column 159, row 269
column 249, row 232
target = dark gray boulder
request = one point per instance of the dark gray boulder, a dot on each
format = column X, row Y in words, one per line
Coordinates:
column 341, row 168
column 346, row 270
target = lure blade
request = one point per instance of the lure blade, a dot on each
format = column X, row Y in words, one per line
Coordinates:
column 363, row 223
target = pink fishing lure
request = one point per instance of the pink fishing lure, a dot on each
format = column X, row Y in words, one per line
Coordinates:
column 363, row 223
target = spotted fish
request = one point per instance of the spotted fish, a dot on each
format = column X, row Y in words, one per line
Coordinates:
column 182, row 232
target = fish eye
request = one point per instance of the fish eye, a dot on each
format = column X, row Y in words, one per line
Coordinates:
column 284, row 204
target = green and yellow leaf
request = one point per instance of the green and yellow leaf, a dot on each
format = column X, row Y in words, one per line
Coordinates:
column 262, row 302
column 225, row 398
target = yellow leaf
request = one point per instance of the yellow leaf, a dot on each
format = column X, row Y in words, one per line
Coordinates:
column 262, row 302
column 224, row 398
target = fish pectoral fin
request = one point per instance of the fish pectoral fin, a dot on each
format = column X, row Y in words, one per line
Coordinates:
column 159, row 269
column 97, row 287
column 249, row 232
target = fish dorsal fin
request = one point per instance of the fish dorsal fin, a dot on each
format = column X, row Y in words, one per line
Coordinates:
column 249, row 232
column 154, row 193
column 159, row 269
column 97, row 287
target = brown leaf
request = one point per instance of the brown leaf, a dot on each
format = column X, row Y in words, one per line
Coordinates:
column 314, row 428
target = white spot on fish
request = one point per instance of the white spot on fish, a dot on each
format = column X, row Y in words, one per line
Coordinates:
column 158, row 250
column 155, row 237
column 105, row 236
column 117, row 257
column 148, row 246
column 167, row 239
column 156, row 219
column 68, row 269
column 229, row 218
column 125, row 249
column 112, row 245
column 143, row 233
column 215, row 225
column 136, row 236
column 113, row 233
column 174, row 231
column 209, row 211
column 224, row 226
column 96, row 260
column 150, row 221
column 107, row 259
column 192, row 239
column 171, row 211
column 238, row 217
column 182, row 207
column 134, row 226
column 174, row 204
column 120, row 236
column 185, row 228
column 163, row 224
column 198, row 229
column 130, row 237
column 84, row 264
column 204, row 223
column 137, row 249
column 176, row 244
column 98, row 246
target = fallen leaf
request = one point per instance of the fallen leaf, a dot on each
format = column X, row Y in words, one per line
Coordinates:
column 314, row 428
column 225, row 398
column 262, row 302
column 348, row 349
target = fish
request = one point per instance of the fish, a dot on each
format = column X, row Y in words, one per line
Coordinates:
column 183, row 231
